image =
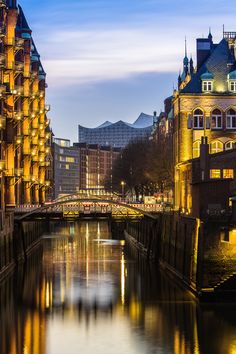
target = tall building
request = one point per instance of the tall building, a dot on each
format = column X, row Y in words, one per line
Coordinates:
column 66, row 168
column 203, row 106
column 96, row 165
column 24, row 126
column 117, row 134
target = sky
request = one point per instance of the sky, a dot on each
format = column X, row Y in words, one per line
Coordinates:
column 112, row 60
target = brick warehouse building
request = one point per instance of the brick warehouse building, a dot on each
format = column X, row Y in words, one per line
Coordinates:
column 96, row 164
column 203, row 106
column 24, row 126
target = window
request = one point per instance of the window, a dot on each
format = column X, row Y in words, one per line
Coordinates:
column 228, row 173
column 231, row 119
column 229, row 145
column 207, row 86
column 196, row 149
column 216, row 146
column 70, row 159
column 198, row 119
column 232, row 86
column 215, row 173
column 216, row 119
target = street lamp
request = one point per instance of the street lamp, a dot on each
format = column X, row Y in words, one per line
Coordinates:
column 122, row 188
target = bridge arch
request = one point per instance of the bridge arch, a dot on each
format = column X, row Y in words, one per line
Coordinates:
column 75, row 199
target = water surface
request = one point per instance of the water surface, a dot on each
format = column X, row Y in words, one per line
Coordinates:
column 83, row 293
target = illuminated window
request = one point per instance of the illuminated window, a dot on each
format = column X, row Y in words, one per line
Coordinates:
column 207, row 86
column 198, row 121
column 229, row 145
column 216, row 146
column 232, row 86
column 231, row 119
column 196, row 149
column 70, row 159
column 215, row 174
column 228, row 173
column 67, row 167
column 216, row 119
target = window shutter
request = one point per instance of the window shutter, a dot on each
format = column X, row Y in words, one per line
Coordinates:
column 190, row 123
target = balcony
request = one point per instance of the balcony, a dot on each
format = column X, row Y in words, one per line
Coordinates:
column 9, row 41
column 14, row 172
column 2, row 122
column 47, row 122
column 47, row 107
column 26, row 151
column 26, row 131
column 2, row 59
column 41, row 93
column 41, row 127
column 2, row 165
column 18, row 172
column 18, row 139
column 17, row 91
column 34, row 113
column 34, row 74
column 19, row 43
column 35, row 140
column 3, row 89
column 18, row 115
column 27, row 178
column 34, row 132
column 19, row 67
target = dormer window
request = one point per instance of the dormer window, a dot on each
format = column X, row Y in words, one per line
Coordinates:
column 207, row 86
column 232, row 86
column 207, row 82
column 232, row 81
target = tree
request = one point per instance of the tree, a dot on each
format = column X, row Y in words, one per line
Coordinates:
column 145, row 167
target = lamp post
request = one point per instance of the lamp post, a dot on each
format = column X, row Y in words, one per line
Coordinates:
column 122, row 189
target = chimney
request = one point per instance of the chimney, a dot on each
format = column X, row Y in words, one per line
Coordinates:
column 204, row 46
column 204, row 158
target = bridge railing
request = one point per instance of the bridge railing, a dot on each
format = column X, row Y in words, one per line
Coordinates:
column 88, row 207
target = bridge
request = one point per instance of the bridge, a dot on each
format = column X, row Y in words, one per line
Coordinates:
column 85, row 204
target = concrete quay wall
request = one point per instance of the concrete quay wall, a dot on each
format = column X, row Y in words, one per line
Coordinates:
column 17, row 240
column 196, row 253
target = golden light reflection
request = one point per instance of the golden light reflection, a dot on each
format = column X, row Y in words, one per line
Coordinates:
column 47, row 296
column 123, row 279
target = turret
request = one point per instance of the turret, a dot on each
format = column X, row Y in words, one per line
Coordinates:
column 191, row 66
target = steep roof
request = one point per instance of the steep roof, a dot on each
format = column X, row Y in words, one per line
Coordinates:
column 219, row 64
column 22, row 23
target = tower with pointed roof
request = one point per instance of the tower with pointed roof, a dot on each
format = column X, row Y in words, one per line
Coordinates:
column 204, row 106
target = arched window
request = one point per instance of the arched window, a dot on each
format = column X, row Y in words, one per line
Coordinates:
column 198, row 120
column 216, row 146
column 231, row 119
column 229, row 145
column 216, row 119
column 196, row 149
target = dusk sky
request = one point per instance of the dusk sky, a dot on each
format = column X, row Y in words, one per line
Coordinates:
column 111, row 60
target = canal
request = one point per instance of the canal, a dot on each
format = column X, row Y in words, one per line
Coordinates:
column 82, row 292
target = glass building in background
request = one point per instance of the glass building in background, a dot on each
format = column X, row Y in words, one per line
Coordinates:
column 117, row 134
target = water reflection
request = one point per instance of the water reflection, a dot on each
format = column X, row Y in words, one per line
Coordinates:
column 82, row 293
